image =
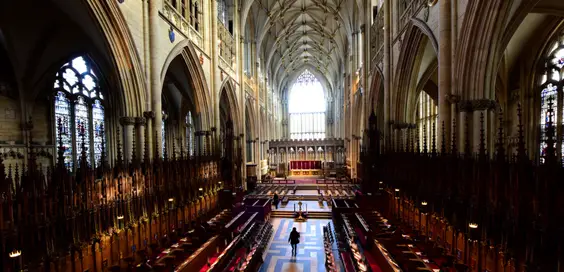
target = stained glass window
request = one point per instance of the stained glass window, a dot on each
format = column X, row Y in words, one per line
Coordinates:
column 426, row 117
column 79, row 113
column 190, row 133
column 552, row 85
column 307, row 108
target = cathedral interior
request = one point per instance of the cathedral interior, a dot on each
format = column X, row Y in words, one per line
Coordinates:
column 199, row 135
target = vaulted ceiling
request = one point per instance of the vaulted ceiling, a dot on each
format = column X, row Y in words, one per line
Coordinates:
column 292, row 35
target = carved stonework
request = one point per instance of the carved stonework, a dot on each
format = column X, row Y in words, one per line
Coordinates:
column 465, row 106
column 127, row 121
column 452, row 98
column 140, row 121
column 149, row 115
column 483, row 104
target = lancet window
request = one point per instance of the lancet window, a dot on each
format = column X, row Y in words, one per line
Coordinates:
column 79, row 112
column 426, row 117
column 551, row 104
column 307, row 108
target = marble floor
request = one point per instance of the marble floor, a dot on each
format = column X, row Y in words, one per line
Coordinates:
column 310, row 257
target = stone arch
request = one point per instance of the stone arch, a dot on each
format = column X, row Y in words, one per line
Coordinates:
column 482, row 29
column 228, row 90
column 124, row 53
column 203, row 102
column 405, row 81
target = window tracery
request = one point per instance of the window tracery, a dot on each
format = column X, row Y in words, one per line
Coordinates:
column 551, row 88
column 427, row 114
column 307, row 108
column 79, row 112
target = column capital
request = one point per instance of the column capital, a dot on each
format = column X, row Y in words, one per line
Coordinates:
column 452, row 98
column 140, row 121
column 149, row 115
column 127, row 121
column 483, row 104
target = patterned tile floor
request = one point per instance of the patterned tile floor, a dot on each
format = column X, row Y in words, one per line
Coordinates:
column 310, row 257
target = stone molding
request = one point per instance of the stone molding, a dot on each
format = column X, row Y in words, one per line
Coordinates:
column 140, row 121
column 477, row 105
column 127, row 121
column 149, row 115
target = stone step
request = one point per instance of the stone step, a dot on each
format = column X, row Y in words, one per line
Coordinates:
column 311, row 214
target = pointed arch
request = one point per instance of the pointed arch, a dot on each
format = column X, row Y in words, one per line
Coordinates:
column 203, row 103
column 128, row 63
column 405, row 81
column 228, row 89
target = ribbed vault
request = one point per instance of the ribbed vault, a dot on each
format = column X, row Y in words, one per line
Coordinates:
column 294, row 34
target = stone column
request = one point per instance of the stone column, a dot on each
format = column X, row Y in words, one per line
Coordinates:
column 128, row 124
column 149, row 118
column 156, row 88
column 454, row 101
column 481, row 106
column 140, row 137
column 387, row 66
column 465, row 109
column 445, row 65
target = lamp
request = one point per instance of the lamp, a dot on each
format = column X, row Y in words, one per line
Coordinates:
column 473, row 225
column 423, row 203
column 170, row 199
column 120, row 217
column 15, row 253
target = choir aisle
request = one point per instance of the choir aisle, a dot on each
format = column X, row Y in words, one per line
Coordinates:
column 311, row 254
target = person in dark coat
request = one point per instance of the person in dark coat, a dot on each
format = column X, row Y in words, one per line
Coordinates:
column 275, row 200
column 294, row 241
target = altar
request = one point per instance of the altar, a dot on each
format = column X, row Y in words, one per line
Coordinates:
column 315, row 157
column 306, row 168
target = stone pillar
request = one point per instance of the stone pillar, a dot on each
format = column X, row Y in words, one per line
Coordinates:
column 481, row 106
column 387, row 67
column 445, row 65
column 140, row 137
column 149, row 118
column 128, row 125
column 465, row 109
column 156, row 88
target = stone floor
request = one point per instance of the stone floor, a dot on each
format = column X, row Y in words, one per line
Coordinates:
column 310, row 257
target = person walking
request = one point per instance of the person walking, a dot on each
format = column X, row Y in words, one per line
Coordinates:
column 275, row 200
column 294, row 240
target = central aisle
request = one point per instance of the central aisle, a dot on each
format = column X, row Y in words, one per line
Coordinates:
column 311, row 255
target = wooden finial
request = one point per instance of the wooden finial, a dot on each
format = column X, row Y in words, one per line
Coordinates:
column 521, row 150
column 467, row 148
column 500, row 149
column 482, row 148
column 434, row 142
column 443, row 138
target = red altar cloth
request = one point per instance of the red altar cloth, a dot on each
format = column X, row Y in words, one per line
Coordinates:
column 305, row 165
